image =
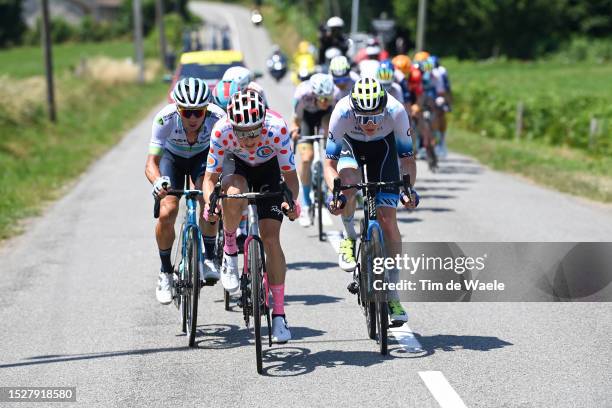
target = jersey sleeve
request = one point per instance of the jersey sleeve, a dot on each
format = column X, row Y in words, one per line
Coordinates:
column 284, row 150
column 160, row 130
column 337, row 129
column 403, row 133
column 219, row 143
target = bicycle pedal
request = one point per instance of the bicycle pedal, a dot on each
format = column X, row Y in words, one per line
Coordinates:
column 353, row 288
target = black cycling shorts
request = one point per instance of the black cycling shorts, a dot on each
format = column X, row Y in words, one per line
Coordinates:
column 314, row 120
column 381, row 159
column 177, row 167
column 260, row 178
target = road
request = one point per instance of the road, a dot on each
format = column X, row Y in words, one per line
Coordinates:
column 79, row 308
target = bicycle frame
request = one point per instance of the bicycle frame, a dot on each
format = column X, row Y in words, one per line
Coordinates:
column 191, row 221
column 253, row 234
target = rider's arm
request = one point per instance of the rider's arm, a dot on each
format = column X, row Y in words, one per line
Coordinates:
column 298, row 112
column 160, row 130
column 219, row 137
column 335, row 134
column 210, row 179
column 405, row 141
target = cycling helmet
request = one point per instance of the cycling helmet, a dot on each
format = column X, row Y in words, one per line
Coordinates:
column 322, row 85
column 331, row 53
column 368, row 96
column 384, row 74
column 335, row 22
column 223, row 91
column 241, row 75
column 426, row 65
column 339, row 66
column 191, row 93
column 246, row 109
column 421, row 56
column 387, row 64
column 435, row 61
column 402, row 62
column 303, row 47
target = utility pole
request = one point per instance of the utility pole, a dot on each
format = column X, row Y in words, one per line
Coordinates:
column 420, row 42
column 46, row 40
column 138, row 39
column 355, row 17
column 163, row 47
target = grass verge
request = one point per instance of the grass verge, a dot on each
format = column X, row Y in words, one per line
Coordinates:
column 38, row 158
column 568, row 170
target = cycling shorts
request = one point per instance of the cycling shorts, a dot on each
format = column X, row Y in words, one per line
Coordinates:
column 177, row 167
column 314, row 120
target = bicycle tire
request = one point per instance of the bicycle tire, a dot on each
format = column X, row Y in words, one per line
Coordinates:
column 368, row 307
column 193, row 289
column 380, row 301
column 320, row 211
column 255, row 270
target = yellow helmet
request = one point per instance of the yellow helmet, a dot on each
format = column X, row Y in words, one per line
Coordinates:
column 303, row 47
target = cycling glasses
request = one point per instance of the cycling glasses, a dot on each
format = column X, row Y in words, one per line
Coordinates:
column 248, row 134
column 342, row 80
column 365, row 119
column 187, row 113
column 324, row 99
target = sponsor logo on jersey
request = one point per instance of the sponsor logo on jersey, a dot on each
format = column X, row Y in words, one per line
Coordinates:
column 264, row 151
column 212, row 162
column 160, row 120
column 286, row 141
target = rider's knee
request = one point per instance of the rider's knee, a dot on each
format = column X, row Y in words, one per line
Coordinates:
column 168, row 212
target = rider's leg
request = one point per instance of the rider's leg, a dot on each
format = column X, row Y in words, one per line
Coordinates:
column 306, row 156
column 164, row 230
column 232, row 210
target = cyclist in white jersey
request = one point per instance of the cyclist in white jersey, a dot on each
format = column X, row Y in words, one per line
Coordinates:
column 179, row 147
column 313, row 102
column 344, row 77
column 370, row 127
column 260, row 144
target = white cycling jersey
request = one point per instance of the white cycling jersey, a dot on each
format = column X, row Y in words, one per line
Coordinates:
column 275, row 142
column 395, row 90
column 168, row 132
column 344, row 124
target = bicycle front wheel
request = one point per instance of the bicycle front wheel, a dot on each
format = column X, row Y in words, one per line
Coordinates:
column 379, row 297
column 192, row 285
column 256, row 271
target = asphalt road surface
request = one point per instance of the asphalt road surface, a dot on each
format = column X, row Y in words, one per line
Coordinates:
column 78, row 305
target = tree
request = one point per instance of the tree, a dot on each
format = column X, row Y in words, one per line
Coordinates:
column 12, row 26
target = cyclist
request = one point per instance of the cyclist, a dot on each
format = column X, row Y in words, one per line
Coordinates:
column 386, row 76
column 344, row 78
column 442, row 102
column 313, row 102
column 260, row 144
column 244, row 78
column 223, row 91
column 303, row 63
column 369, row 128
column 432, row 87
column 179, row 146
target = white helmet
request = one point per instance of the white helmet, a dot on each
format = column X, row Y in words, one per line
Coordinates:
column 241, row 75
column 339, row 66
column 368, row 96
column 332, row 53
column 322, row 84
column 191, row 93
column 335, row 22
column 246, row 109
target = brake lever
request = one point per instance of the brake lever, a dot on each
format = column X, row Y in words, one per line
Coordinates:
column 157, row 203
column 407, row 193
column 287, row 197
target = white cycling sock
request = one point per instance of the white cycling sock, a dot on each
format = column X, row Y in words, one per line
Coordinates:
column 349, row 227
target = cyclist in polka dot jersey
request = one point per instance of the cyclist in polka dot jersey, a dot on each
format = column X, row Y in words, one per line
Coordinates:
column 252, row 148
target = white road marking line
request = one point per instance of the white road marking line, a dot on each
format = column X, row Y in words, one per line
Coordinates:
column 327, row 220
column 334, row 238
column 405, row 337
column 441, row 390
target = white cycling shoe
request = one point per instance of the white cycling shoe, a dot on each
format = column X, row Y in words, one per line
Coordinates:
column 163, row 292
column 280, row 330
column 229, row 273
column 304, row 219
column 210, row 271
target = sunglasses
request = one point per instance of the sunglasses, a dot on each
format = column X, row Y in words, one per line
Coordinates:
column 248, row 134
column 365, row 119
column 342, row 80
column 187, row 113
column 323, row 99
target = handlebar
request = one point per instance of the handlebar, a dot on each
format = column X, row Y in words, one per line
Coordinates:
column 302, row 139
column 405, row 183
column 176, row 193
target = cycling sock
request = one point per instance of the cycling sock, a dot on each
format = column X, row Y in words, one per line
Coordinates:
column 349, row 227
column 242, row 227
column 306, row 201
column 166, row 262
column 209, row 246
column 278, row 294
column 230, row 246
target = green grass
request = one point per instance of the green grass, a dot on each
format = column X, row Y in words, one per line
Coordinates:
column 38, row 159
column 516, row 78
column 569, row 170
column 22, row 62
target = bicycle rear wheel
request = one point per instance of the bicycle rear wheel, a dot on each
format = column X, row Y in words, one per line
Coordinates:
column 320, row 211
column 256, row 271
column 192, row 290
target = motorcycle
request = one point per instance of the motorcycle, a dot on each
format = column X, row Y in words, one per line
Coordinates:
column 277, row 65
column 256, row 18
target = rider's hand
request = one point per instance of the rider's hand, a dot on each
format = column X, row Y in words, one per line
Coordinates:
column 414, row 109
column 414, row 202
column 212, row 218
column 295, row 133
column 292, row 215
column 336, row 207
column 160, row 187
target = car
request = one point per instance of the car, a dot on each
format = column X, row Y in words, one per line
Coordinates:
column 207, row 65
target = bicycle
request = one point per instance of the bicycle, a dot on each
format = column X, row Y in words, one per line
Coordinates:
column 429, row 141
column 371, row 246
column 188, row 269
column 254, row 297
column 317, row 182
